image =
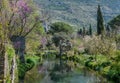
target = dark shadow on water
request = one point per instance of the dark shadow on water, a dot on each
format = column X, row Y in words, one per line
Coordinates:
column 41, row 74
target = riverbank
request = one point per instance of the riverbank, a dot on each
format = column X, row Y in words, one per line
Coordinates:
column 41, row 74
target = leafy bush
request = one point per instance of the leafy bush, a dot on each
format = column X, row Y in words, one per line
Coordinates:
column 106, row 66
column 49, row 55
column 117, row 56
column 114, row 72
column 33, row 58
column 24, row 67
column 99, row 64
column 94, row 65
column 105, row 70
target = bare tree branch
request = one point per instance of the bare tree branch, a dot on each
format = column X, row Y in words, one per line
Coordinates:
column 11, row 18
column 31, row 29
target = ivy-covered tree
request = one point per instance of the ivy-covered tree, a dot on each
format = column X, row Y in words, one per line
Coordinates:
column 100, row 22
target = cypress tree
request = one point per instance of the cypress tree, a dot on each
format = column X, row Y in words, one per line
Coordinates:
column 108, row 28
column 90, row 30
column 84, row 31
column 80, row 31
column 100, row 22
column 87, row 32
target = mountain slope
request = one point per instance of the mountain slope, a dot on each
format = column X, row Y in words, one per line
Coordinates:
column 79, row 12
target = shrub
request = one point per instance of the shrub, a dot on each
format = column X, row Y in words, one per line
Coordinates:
column 96, row 45
column 105, row 70
column 105, row 64
column 49, row 55
column 24, row 67
column 114, row 72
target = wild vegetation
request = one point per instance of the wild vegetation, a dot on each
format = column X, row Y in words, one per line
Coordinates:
column 30, row 50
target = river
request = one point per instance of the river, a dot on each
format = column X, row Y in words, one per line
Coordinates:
column 40, row 74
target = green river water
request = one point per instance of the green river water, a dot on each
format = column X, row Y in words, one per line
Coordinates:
column 40, row 74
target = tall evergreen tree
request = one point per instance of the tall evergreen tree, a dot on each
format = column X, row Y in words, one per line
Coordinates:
column 108, row 28
column 87, row 32
column 100, row 21
column 80, row 31
column 108, row 31
column 90, row 30
column 84, row 31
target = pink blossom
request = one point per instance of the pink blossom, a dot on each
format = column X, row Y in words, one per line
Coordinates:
column 44, row 41
column 23, row 8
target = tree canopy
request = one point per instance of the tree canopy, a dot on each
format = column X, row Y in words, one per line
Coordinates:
column 61, row 27
column 115, row 22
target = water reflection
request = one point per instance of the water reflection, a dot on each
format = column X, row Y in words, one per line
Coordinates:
column 41, row 74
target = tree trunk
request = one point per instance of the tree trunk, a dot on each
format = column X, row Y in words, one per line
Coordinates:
column 19, row 46
column 60, row 54
column 13, row 69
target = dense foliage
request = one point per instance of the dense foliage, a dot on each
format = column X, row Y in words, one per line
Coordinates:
column 61, row 27
column 114, row 23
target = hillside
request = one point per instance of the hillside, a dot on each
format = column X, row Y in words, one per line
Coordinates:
column 79, row 12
